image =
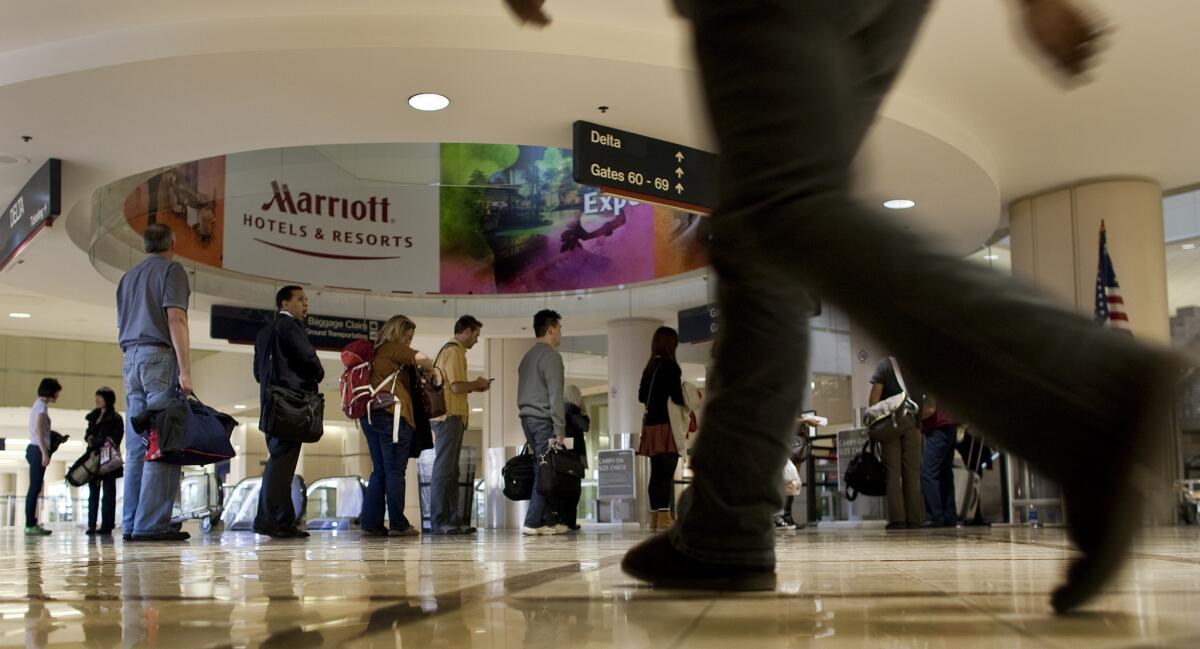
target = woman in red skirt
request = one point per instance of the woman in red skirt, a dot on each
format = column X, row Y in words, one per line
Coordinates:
column 662, row 382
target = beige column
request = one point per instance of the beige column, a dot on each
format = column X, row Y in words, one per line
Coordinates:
column 628, row 351
column 1056, row 242
column 502, row 427
column 1055, row 246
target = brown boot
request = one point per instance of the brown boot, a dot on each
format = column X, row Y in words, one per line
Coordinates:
column 666, row 520
column 654, row 521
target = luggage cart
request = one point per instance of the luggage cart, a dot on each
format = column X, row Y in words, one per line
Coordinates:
column 199, row 498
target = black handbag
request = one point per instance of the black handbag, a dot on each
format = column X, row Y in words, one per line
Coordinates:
column 518, row 475
column 560, row 473
column 866, row 473
column 292, row 415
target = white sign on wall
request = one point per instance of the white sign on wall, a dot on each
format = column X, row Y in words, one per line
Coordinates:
column 346, row 216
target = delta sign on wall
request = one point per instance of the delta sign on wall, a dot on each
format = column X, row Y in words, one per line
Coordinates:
column 422, row 218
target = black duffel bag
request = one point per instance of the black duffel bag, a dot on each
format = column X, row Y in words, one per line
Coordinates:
column 295, row 415
column 560, row 473
column 866, row 473
column 518, row 475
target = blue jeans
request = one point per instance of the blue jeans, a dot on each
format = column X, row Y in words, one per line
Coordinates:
column 538, row 433
column 151, row 380
column 37, row 476
column 937, row 475
column 443, row 490
column 389, row 461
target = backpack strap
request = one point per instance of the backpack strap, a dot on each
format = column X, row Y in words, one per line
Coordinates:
column 899, row 374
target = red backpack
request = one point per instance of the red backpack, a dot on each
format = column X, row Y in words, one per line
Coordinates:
column 355, row 384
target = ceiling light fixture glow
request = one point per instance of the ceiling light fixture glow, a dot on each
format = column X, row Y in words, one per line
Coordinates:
column 899, row 204
column 991, row 257
column 476, row 409
column 20, row 316
column 428, row 101
column 1189, row 246
column 239, row 407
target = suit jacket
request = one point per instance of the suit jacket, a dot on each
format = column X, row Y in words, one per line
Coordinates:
column 284, row 356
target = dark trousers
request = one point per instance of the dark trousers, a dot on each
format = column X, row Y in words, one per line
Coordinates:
column 107, row 506
column 567, row 506
column 538, row 433
column 389, row 463
column 37, row 476
column 443, row 488
column 937, row 476
column 661, row 487
column 276, row 511
column 792, row 87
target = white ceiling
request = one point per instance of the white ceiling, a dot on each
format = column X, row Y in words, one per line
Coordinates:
column 122, row 86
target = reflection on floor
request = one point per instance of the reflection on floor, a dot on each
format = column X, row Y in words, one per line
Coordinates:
column 837, row 589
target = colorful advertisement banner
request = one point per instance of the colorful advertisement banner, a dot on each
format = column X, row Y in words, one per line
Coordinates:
column 456, row 219
column 513, row 220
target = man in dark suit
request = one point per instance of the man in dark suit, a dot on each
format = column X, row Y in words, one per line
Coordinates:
column 283, row 356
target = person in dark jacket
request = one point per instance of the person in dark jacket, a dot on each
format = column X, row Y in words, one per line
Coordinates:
column 662, row 381
column 105, row 428
column 284, row 356
column 578, row 423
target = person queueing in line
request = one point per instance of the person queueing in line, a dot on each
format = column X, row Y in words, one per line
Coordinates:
column 392, row 430
column 578, row 424
column 540, row 381
column 662, row 382
column 38, row 452
column 105, row 429
column 792, row 88
column 448, row 431
column 284, row 356
column 152, row 303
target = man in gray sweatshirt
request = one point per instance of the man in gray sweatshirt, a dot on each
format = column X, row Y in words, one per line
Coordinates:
column 540, row 405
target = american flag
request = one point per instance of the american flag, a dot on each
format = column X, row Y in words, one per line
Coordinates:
column 1110, row 306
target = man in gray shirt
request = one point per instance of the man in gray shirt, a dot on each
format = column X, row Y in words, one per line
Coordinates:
column 152, row 302
column 540, row 405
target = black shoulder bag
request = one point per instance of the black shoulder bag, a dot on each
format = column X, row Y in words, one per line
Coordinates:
column 291, row 415
column 866, row 473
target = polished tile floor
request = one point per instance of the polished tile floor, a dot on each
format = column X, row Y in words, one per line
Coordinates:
column 838, row 588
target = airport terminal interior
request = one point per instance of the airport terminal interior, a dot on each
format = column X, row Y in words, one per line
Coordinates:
column 445, row 162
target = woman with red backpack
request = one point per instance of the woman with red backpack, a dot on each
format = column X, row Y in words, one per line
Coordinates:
column 395, row 426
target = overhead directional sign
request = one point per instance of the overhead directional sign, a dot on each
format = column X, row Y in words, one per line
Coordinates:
column 35, row 207
column 331, row 333
column 644, row 168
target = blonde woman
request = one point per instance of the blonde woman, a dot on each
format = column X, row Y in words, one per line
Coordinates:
column 392, row 427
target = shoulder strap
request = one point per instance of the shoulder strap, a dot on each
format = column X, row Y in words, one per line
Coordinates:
column 650, row 390
column 439, row 354
column 899, row 374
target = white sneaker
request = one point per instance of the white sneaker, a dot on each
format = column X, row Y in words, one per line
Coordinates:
column 559, row 529
column 533, row 531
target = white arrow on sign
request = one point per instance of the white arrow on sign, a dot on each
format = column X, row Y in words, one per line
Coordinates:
column 678, row 188
column 679, row 156
column 678, row 172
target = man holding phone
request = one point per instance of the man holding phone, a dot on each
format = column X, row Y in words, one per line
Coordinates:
column 448, row 430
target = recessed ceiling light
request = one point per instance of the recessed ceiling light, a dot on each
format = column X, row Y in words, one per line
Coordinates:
column 13, row 159
column 991, row 257
column 899, row 204
column 20, row 316
column 428, row 101
column 476, row 409
column 239, row 407
column 1189, row 246
column 701, row 380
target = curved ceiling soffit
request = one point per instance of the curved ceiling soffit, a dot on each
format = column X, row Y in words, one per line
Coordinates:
column 668, row 47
